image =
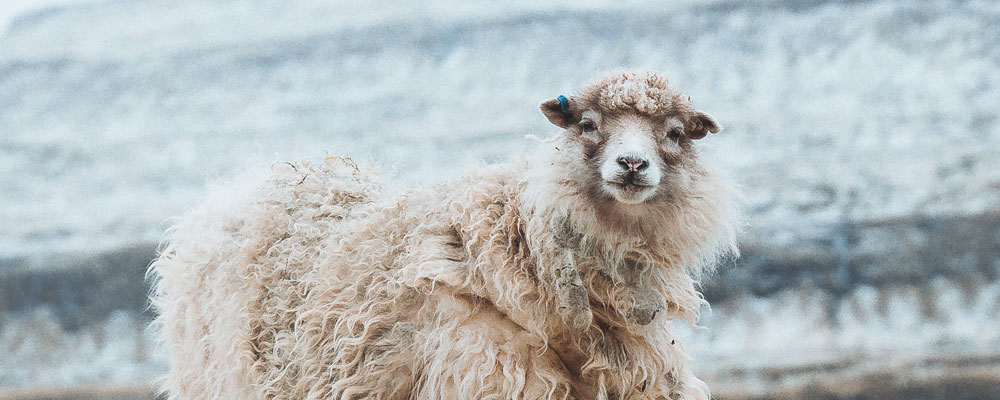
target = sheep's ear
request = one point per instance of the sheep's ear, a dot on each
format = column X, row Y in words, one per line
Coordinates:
column 560, row 111
column 700, row 124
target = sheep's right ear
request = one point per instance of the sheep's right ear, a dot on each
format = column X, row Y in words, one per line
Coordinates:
column 700, row 125
column 560, row 111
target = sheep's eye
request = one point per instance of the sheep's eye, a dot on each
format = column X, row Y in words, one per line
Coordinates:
column 675, row 133
column 588, row 126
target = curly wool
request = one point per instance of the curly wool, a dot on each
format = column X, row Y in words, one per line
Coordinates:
column 325, row 285
column 645, row 92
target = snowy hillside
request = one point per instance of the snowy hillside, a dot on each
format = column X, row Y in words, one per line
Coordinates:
column 116, row 114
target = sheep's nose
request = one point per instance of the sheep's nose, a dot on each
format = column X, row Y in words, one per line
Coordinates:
column 633, row 163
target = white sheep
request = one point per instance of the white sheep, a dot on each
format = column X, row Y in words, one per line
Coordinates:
column 552, row 277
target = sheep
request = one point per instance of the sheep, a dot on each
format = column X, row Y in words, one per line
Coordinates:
column 556, row 275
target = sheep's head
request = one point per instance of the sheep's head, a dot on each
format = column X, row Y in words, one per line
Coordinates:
column 634, row 133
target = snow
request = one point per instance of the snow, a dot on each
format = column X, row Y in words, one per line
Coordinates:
column 832, row 112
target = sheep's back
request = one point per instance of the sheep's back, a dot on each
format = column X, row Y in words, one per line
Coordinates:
column 233, row 275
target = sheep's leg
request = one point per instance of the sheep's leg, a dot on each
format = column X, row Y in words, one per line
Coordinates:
column 573, row 303
column 645, row 304
column 640, row 303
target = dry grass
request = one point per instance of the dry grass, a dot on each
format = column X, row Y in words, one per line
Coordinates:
column 128, row 391
column 977, row 384
column 971, row 384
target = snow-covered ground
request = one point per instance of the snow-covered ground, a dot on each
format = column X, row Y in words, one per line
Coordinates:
column 118, row 114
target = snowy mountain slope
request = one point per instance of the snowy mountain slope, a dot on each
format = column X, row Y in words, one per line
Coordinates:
column 115, row 115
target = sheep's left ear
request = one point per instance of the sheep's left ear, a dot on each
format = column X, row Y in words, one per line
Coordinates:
column 700, row 124
column 561, row 111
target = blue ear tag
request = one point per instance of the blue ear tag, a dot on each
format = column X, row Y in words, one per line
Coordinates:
column 563, row 104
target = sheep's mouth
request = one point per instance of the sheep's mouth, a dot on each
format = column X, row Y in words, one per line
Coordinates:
column 629, row 193
column 628, row 187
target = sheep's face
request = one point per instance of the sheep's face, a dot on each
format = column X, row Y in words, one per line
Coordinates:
column 631, row 157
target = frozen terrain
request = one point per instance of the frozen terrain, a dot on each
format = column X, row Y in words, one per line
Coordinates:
column 865, row 136
column 833, row 110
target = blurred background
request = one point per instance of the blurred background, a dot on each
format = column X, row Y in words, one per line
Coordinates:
column 865, row 135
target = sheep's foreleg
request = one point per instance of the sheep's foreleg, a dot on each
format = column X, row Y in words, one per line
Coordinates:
column 639, row 303
column 645, row 303
column 572, row 301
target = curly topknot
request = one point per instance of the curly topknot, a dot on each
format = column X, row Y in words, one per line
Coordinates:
column 643, row 92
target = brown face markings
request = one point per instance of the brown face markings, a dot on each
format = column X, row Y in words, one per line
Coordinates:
column 673, row 152
column 592, row 150
column 593, row 165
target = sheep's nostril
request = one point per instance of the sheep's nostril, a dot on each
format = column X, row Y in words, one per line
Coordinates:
column 623, row 162
column 633, row 163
